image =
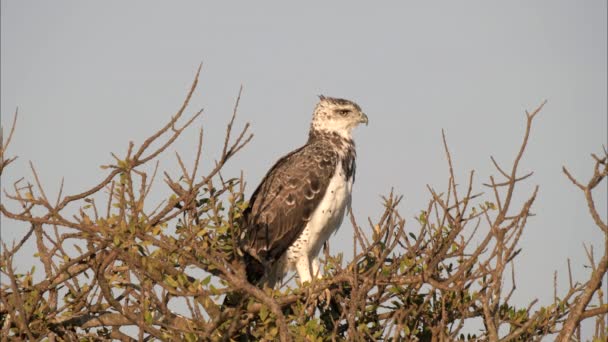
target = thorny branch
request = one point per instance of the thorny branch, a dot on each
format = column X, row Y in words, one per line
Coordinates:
column 165, row 270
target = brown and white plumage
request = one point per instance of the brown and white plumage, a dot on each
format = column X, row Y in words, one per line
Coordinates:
column 303, row 198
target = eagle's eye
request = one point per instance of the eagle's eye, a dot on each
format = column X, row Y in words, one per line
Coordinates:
column 343, row 112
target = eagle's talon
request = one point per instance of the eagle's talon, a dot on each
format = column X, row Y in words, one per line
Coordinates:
column 325, row 296
column 323, row 300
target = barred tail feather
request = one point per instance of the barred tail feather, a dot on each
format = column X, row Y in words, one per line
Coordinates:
column 255, row 272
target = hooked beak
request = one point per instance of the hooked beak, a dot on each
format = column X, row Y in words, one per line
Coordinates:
column 363, row 119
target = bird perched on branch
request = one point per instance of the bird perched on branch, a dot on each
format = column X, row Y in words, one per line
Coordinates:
column 303, row 198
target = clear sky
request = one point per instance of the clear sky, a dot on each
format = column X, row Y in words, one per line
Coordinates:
column 90, row 76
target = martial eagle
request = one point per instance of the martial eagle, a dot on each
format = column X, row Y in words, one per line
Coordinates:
column 302, row 199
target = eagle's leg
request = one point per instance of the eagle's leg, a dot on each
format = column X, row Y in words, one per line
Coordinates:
column 316, row 272
column 303, row 269
column 316, row 268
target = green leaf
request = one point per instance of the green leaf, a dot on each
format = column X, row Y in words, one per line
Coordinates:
column 263, row 313
column 394, row 290
column 171, row 282
column 190, row 337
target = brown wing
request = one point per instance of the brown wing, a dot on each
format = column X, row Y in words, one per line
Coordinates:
column 285, row 200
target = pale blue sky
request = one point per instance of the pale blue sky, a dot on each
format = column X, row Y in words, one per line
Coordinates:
column 90, row 76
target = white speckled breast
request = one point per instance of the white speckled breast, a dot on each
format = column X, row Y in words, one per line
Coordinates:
column 325, row 220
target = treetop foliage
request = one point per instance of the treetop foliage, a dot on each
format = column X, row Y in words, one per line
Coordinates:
column 117, row 270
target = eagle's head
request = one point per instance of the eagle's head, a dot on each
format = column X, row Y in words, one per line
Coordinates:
column 336, row 115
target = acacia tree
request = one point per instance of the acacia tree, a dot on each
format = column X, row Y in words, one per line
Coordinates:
column 118, row 270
